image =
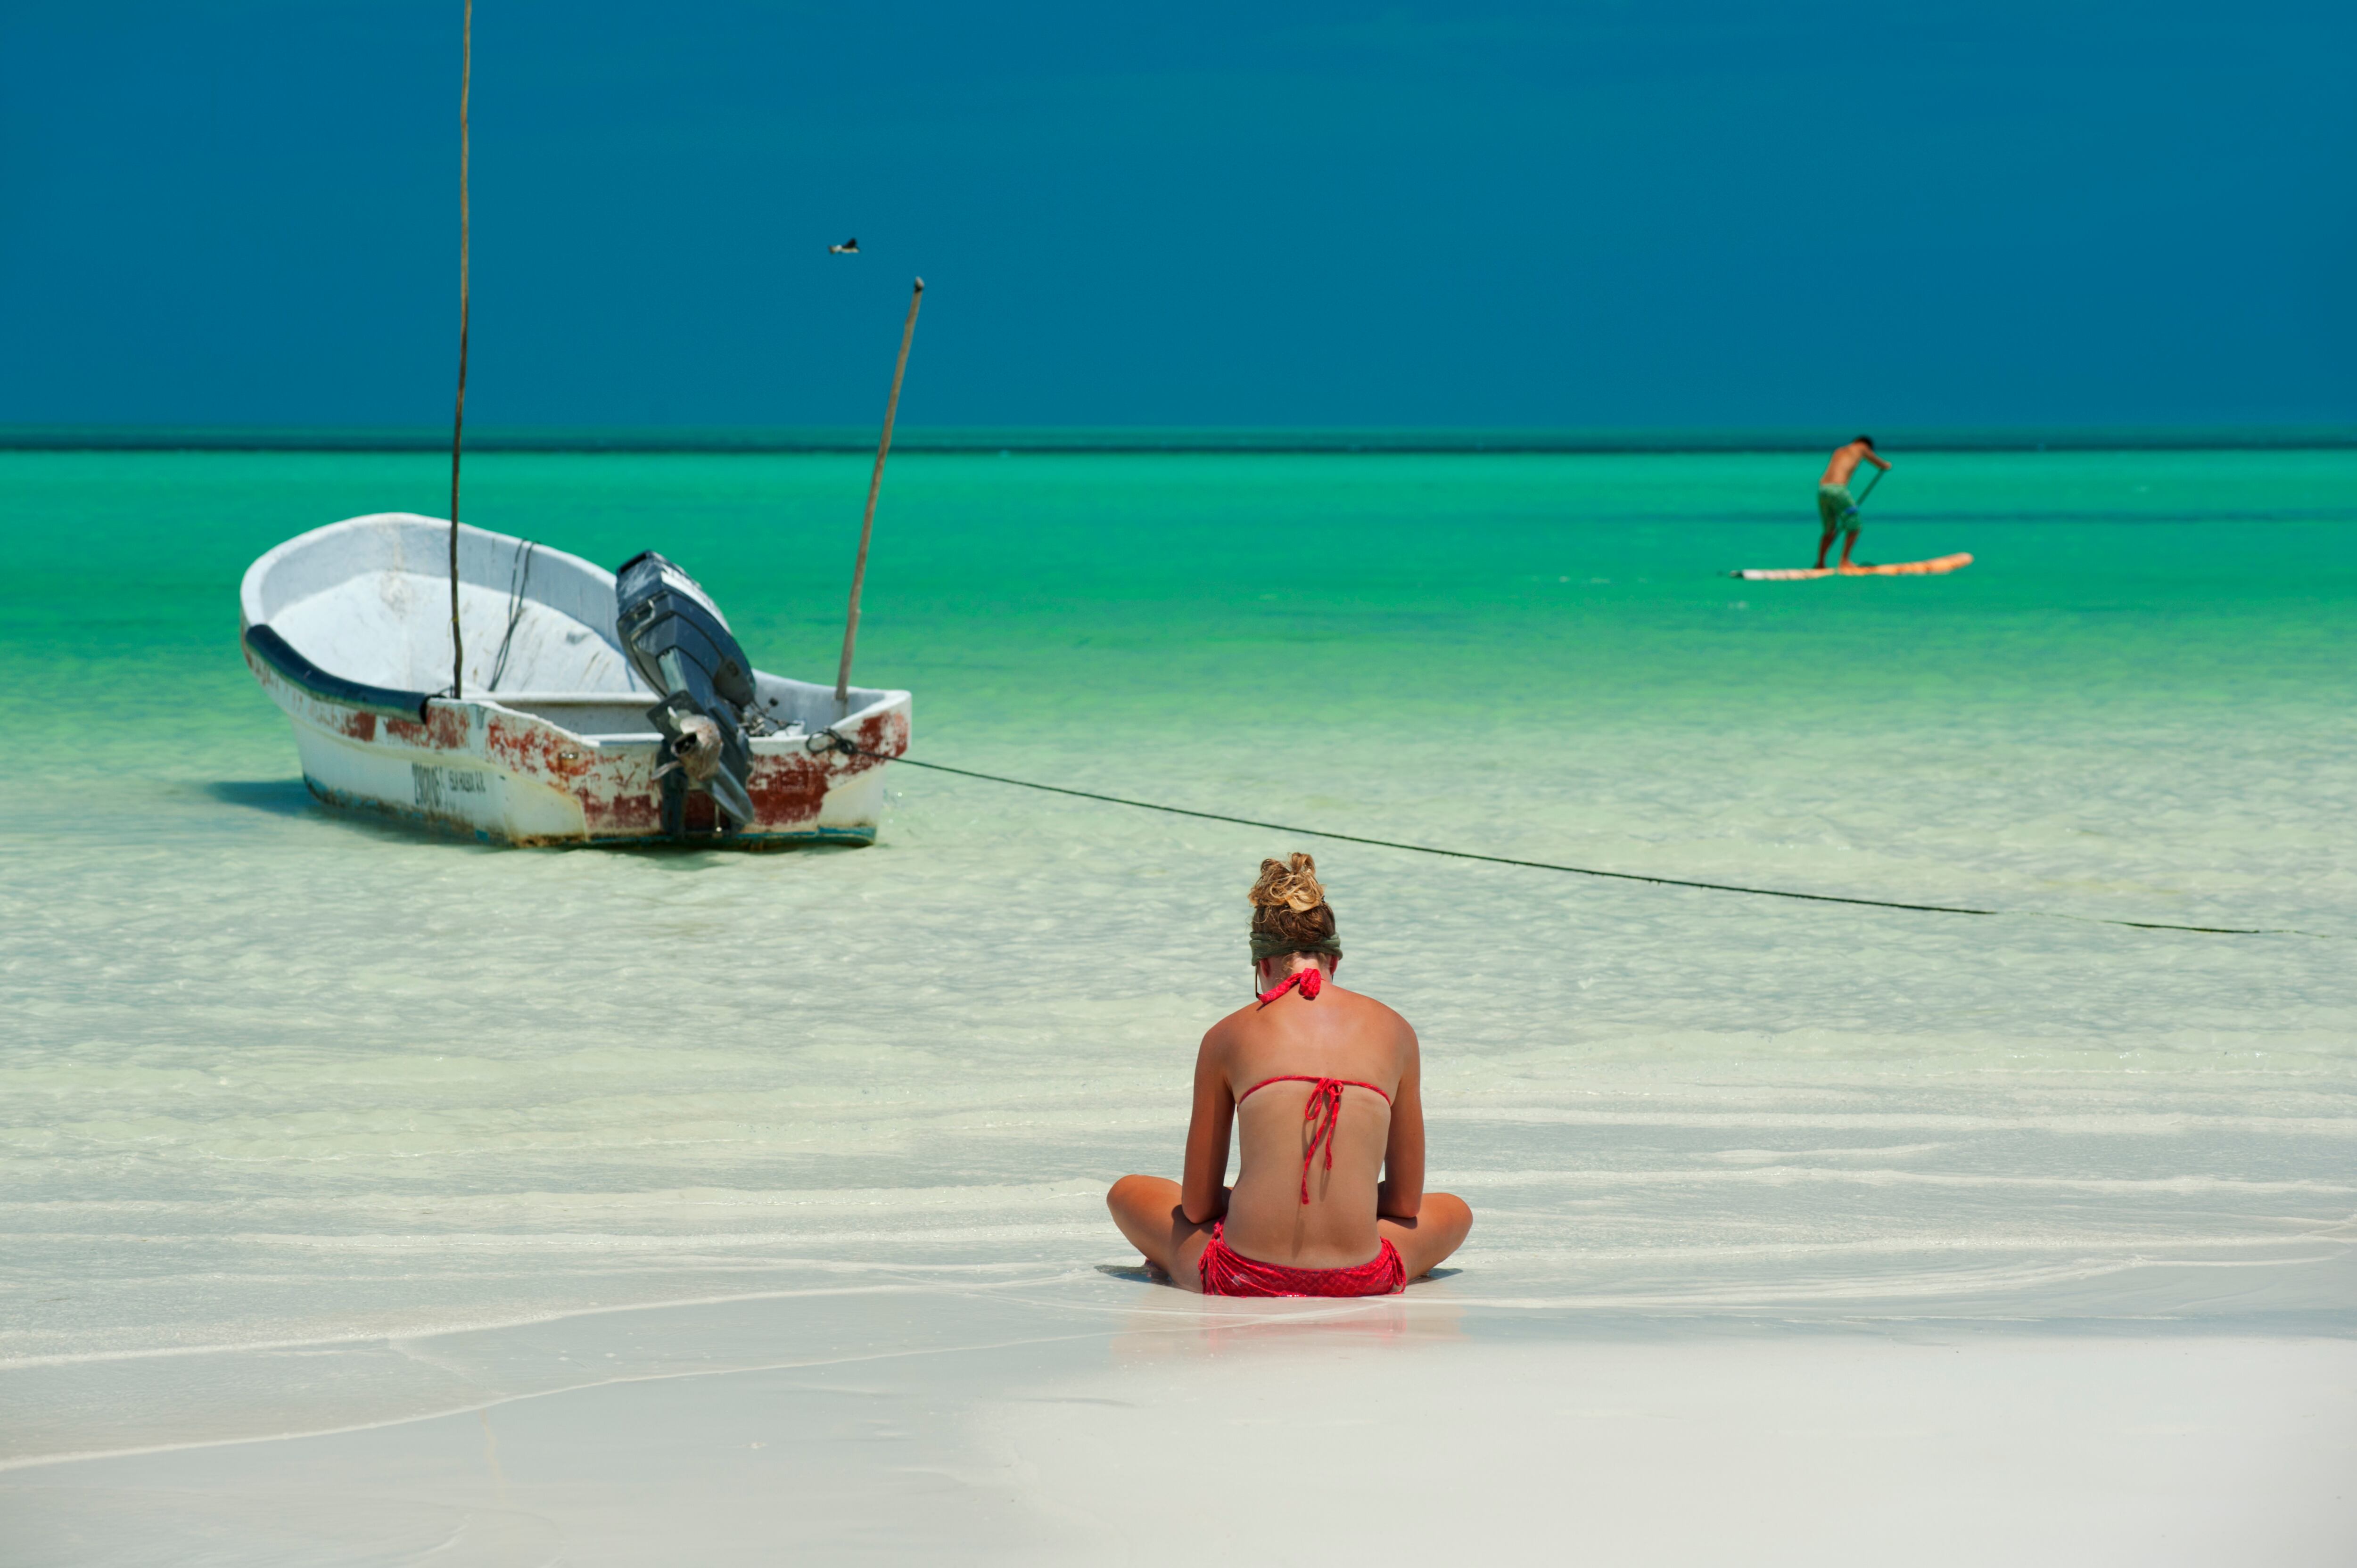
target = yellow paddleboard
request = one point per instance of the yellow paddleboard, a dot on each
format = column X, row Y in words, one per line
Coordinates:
column 1896, row 569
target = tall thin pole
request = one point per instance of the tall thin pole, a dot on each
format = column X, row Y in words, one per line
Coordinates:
column 875, row 483
column 459, row 415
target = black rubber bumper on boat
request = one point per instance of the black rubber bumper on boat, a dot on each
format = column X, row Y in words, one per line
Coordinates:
column 298, row 672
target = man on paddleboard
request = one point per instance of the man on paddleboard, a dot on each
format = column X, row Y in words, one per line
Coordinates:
column 1836, row 506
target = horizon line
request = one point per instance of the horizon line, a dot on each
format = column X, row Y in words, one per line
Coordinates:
column 1152, row 439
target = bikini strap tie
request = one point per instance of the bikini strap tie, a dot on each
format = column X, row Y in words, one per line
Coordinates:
column 1312, row 981
column 1323, row 1111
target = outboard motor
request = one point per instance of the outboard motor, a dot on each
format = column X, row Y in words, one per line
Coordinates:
column 680, row 645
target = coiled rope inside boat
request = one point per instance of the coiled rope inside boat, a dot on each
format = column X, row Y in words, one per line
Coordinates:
column 519, row 580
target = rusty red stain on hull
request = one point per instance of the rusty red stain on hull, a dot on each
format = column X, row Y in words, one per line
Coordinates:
column 535, row 749
column 446, row 729
column 618, row 814
column 884, row 733
column 788, row 789
column 613, row 786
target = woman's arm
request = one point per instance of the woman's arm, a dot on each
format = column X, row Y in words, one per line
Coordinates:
column 1203, row 1192
column 1401, row 1192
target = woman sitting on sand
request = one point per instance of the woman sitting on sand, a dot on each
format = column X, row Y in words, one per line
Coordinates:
column 1325, row 1082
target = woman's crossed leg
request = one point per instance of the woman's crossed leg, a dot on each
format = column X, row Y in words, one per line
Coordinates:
column 1148, row 1210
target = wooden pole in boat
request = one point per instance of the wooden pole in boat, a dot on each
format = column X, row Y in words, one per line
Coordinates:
column 875, row 483
column 458, row 415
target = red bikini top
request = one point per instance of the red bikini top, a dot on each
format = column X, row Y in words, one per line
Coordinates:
column 1325, row 1106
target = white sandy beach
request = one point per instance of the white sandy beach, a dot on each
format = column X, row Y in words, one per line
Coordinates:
column 985, row 1428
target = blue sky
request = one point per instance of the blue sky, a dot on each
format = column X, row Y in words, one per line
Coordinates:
column 1655, row 214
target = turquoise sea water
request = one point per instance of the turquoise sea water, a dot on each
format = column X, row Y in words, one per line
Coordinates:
column 277, row 1077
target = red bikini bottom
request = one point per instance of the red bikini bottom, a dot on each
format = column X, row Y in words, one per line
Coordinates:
column 1227, row 1271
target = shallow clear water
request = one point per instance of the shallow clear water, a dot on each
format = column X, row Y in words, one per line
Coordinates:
column 275, row 1076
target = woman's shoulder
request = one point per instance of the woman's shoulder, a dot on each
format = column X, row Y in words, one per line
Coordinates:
column 1381, row 1011
column 1248, row 1021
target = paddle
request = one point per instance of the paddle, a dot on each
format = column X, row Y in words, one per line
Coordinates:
column 1851, row 510
column 1864, row 493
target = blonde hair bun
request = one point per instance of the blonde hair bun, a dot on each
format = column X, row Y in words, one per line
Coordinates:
column 1288, row 884
column 1289, row 911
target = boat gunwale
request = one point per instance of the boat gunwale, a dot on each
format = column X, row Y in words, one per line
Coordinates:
column 250, row 587
column 288, row 663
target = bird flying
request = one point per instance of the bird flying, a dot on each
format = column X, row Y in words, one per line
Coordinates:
column 849, row 248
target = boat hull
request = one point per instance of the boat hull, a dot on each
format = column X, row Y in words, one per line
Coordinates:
column 499, row 775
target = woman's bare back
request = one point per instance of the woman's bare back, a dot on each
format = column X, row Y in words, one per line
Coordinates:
column 1340, row 1036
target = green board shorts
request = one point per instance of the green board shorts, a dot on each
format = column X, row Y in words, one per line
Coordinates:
column 1836, row 508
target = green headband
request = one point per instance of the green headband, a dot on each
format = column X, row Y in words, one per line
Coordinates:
column 1265, row 947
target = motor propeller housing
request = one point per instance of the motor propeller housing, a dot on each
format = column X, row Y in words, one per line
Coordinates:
column 680, row 644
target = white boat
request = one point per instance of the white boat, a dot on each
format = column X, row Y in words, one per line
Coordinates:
column 555, row 740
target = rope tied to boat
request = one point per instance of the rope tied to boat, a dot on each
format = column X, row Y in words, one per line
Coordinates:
column 822, row 743
column 838, row 743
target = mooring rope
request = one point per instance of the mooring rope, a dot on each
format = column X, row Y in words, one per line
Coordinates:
column 851, row 749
